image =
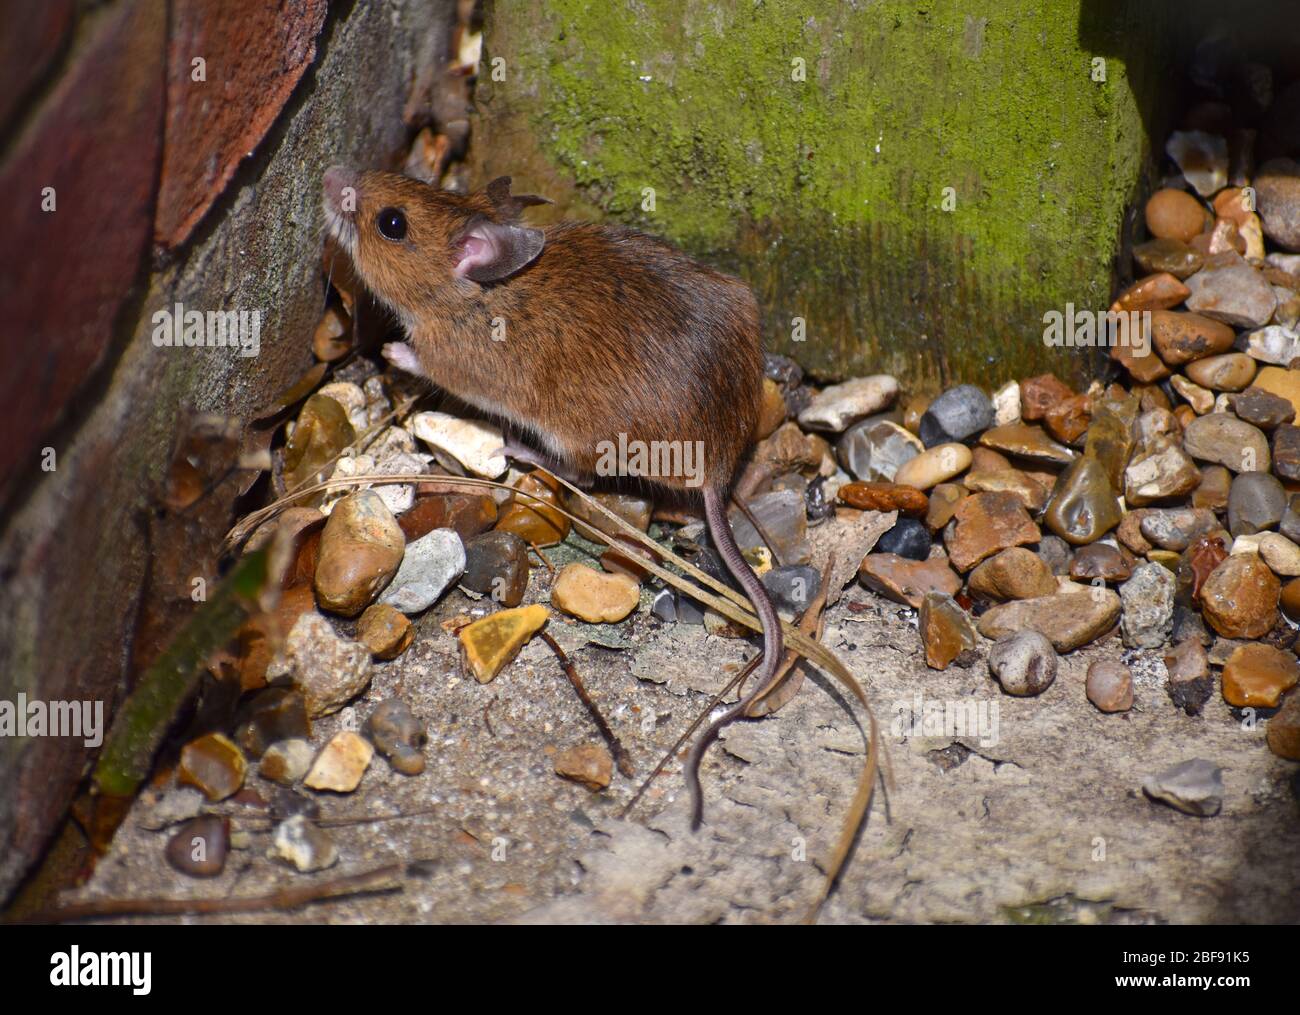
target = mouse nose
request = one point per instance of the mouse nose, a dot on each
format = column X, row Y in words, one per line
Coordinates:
column 339, row 181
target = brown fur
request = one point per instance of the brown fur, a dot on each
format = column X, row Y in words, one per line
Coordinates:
column 608, row 330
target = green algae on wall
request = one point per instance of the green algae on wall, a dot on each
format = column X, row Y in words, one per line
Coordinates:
column 917, row 181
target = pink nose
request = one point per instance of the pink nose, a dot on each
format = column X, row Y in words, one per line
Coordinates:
column 337, row 181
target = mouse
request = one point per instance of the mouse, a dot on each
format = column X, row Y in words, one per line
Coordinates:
column 579, row 336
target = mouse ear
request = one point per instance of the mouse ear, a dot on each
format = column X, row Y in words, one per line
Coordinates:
column 489, row 251
column 509, row 205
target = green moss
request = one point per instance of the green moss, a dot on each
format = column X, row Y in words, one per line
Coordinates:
column 826, row 193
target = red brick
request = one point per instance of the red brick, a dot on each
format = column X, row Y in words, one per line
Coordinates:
column 255, row 54
column 64, row 274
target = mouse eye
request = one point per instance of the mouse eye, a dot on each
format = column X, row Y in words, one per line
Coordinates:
column 391, row 224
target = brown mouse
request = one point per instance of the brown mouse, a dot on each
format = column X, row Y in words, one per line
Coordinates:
column 582, row 336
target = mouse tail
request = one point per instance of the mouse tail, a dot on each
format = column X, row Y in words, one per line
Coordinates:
column 715, row 513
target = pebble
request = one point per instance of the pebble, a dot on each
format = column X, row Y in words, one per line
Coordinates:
column 1030, row 442
column 1228, row 441
column 1239, row 599
column 490, row 643
column 1069, row 618
column 1201, row 400
column 1256, row 676
column 430, row 566
column 1286, row 451
column 200, row 846
column 1148, row 607
column 1038, row 395
column 467, row 514
column 328, row 669
column 341, row 763
column 588, row 764
column 397, row 735
column 1174, row 215
column 594, row 596
column 1202, row 158
column 1281, row 382
column 636, row 511
column 1213, row 489
column 320, row 434
column 934, row 466
column 985, row 523
column 1176, row 528
column 1230, row 290
column 1006, row 404
column 496, row 565
column 473, row 445
column 944, row 499
column 1283, row 730
column 1109, row 686
column 384, row 631
column 1024, row 663
column 772, row 410
column 908, row 538
column 1027, row 490
column 1180, row 337
column 1153, row 292
column 304, row 845
column 533, row 513
column 876, row 448
column 792, row 586
column 361, row 548
column 273, row 713
column 1159, row 469
column 1256, row 502
column 837, row 406
column 957, row 415
column 1231, row 371
column 1289, row 600
column 1194, row 787
column 784, row 520
column 1167, row 255
column 884, row 497
column 947, row 633
column 1083, row 506
column 1014, row 573
column 212, row 764
column 1277, row 191
column 1199, row 561
column 1273, row 344
column 1068, row 420
column 1262, row 408
column 907, row 581
column 1055, row 552
column 286, row 761
column 1190, row 682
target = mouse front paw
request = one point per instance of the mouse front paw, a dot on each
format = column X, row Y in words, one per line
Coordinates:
column 402, row 356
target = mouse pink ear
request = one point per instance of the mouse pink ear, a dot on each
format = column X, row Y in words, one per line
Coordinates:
column 489, row 251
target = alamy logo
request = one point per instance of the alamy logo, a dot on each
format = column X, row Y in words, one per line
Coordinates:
column 963, row 717
column 1129, row 329
column 214, row 329
column 652, row 459
column 38, row 718
column 76, row 968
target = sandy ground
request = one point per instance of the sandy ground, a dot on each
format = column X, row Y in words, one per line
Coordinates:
column 1040, row 818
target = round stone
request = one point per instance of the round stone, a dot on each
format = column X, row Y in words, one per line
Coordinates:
column 959, row 414
column 934, row 466
column 1025, row 663
column 1174, row 215
column 1110, row 686
column 1256, row 502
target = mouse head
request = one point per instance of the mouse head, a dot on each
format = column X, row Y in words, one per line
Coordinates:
column 413, row 243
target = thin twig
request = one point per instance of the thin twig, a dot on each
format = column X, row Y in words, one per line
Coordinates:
column 621, row 757
column 381, row 879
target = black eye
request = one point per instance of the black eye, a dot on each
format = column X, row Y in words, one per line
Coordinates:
column 391, row 223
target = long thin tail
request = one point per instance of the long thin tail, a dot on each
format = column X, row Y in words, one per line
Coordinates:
column 715, row 513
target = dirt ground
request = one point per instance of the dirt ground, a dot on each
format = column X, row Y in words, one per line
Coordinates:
column 1039, row 819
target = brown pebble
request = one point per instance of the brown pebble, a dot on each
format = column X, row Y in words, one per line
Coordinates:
column 385, row 631
column 200, row 846
column 1175, row 215
column 1258, row 675
column 885, row 497
column 589, row 764
column 1110, row 686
